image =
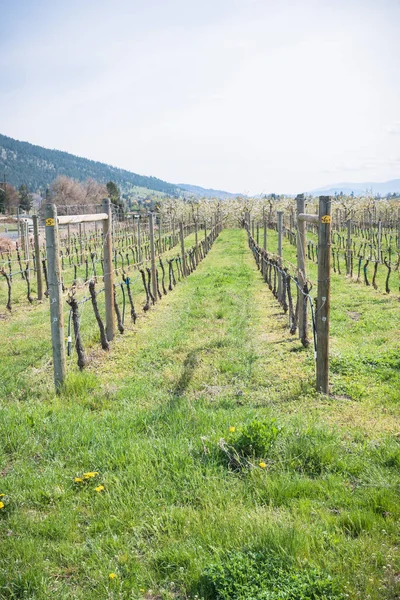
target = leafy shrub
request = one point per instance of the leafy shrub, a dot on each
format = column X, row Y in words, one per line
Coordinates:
column 266, row 576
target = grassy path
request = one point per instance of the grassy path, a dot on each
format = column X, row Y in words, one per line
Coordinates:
column 148, row 420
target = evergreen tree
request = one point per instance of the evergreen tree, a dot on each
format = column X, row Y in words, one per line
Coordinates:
column 115, row 196
column 25, row 198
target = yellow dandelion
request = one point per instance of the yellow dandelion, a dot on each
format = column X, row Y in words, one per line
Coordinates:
column 90, row 474
column 232, row 429
column 262, row 465
column 1, row 504
column 2, row 495
column 99, row 488
column 112, row 575
column 78, row 479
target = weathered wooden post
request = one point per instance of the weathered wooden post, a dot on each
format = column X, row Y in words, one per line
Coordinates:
column 280, row 232
column 55, row 295
column 258, row 233
column 39, row 282
column 398, row 229
column 301, row 270
column 153, row 257
column 196, row 239
column 108, row 270
column 139, row 240
column 184, row 270
column 379, row 241
column 323, row 300
column 22, row 234
column 159, row 234
column 348, row 247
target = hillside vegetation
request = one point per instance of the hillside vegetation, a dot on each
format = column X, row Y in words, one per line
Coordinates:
column 37, row 167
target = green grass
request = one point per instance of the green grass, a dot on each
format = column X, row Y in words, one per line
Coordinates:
column 178, row 517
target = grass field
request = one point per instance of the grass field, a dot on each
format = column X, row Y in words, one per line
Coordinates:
column 213, row 469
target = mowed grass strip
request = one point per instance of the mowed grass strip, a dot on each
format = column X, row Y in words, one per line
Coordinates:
column 199, row 440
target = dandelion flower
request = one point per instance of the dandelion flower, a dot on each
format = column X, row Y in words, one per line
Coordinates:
column 262, row 465
column 112, row 575
column 1, row 504
column 2, row 495
column 232, row 429
column 99, row 488
column 78, row 479
column 90, row 474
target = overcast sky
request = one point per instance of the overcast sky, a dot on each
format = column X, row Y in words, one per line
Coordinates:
column 248, row 96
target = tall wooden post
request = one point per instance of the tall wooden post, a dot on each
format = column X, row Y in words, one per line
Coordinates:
column 196, row 240
column 258, row 234
column 22, row 234
column 139, row 241
column 39, row 281
column 301, row 269
column 153, row 257
column 348, row 247
column 108, row 270
column 280, row 233
column 55, row 295
column 379, row 241
column 323, row 301
column 398, row 229
column 183, row 249
column 160, row 250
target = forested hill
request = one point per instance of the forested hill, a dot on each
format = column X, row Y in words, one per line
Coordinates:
column 37, row 167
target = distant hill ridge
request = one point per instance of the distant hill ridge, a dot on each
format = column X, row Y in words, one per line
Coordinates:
column 37, row 167
column 382, row 188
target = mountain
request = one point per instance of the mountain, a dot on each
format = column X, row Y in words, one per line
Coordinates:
column 37, row 167
column 204, row 192
column 382, row 188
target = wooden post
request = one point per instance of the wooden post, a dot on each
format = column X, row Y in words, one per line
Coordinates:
column 153, row 257
column 280, row 231
column 265, row 234
column 183, row 249
column 26, row 252
column 323, row 301
column 348, row 244
column 159, row 235
column 139, row 241
column 196, row 240
column 55, row 295
column 22, row 234
column 379, row 241
column 173, row 233
column 258, row 234
column 398, row 229
column 39, row 281
column 301, row 269
column 108, row 270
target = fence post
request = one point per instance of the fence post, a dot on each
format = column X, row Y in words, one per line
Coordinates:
column 55, row 295
column 196, row 240
column 280, row 231
column 160, row 250
column 323, row 300
column 348, row 244
column 153, row 257
column 379, row 241
column 39, row 282
column 183, row 249
column 108, row 270
column 301, row 269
